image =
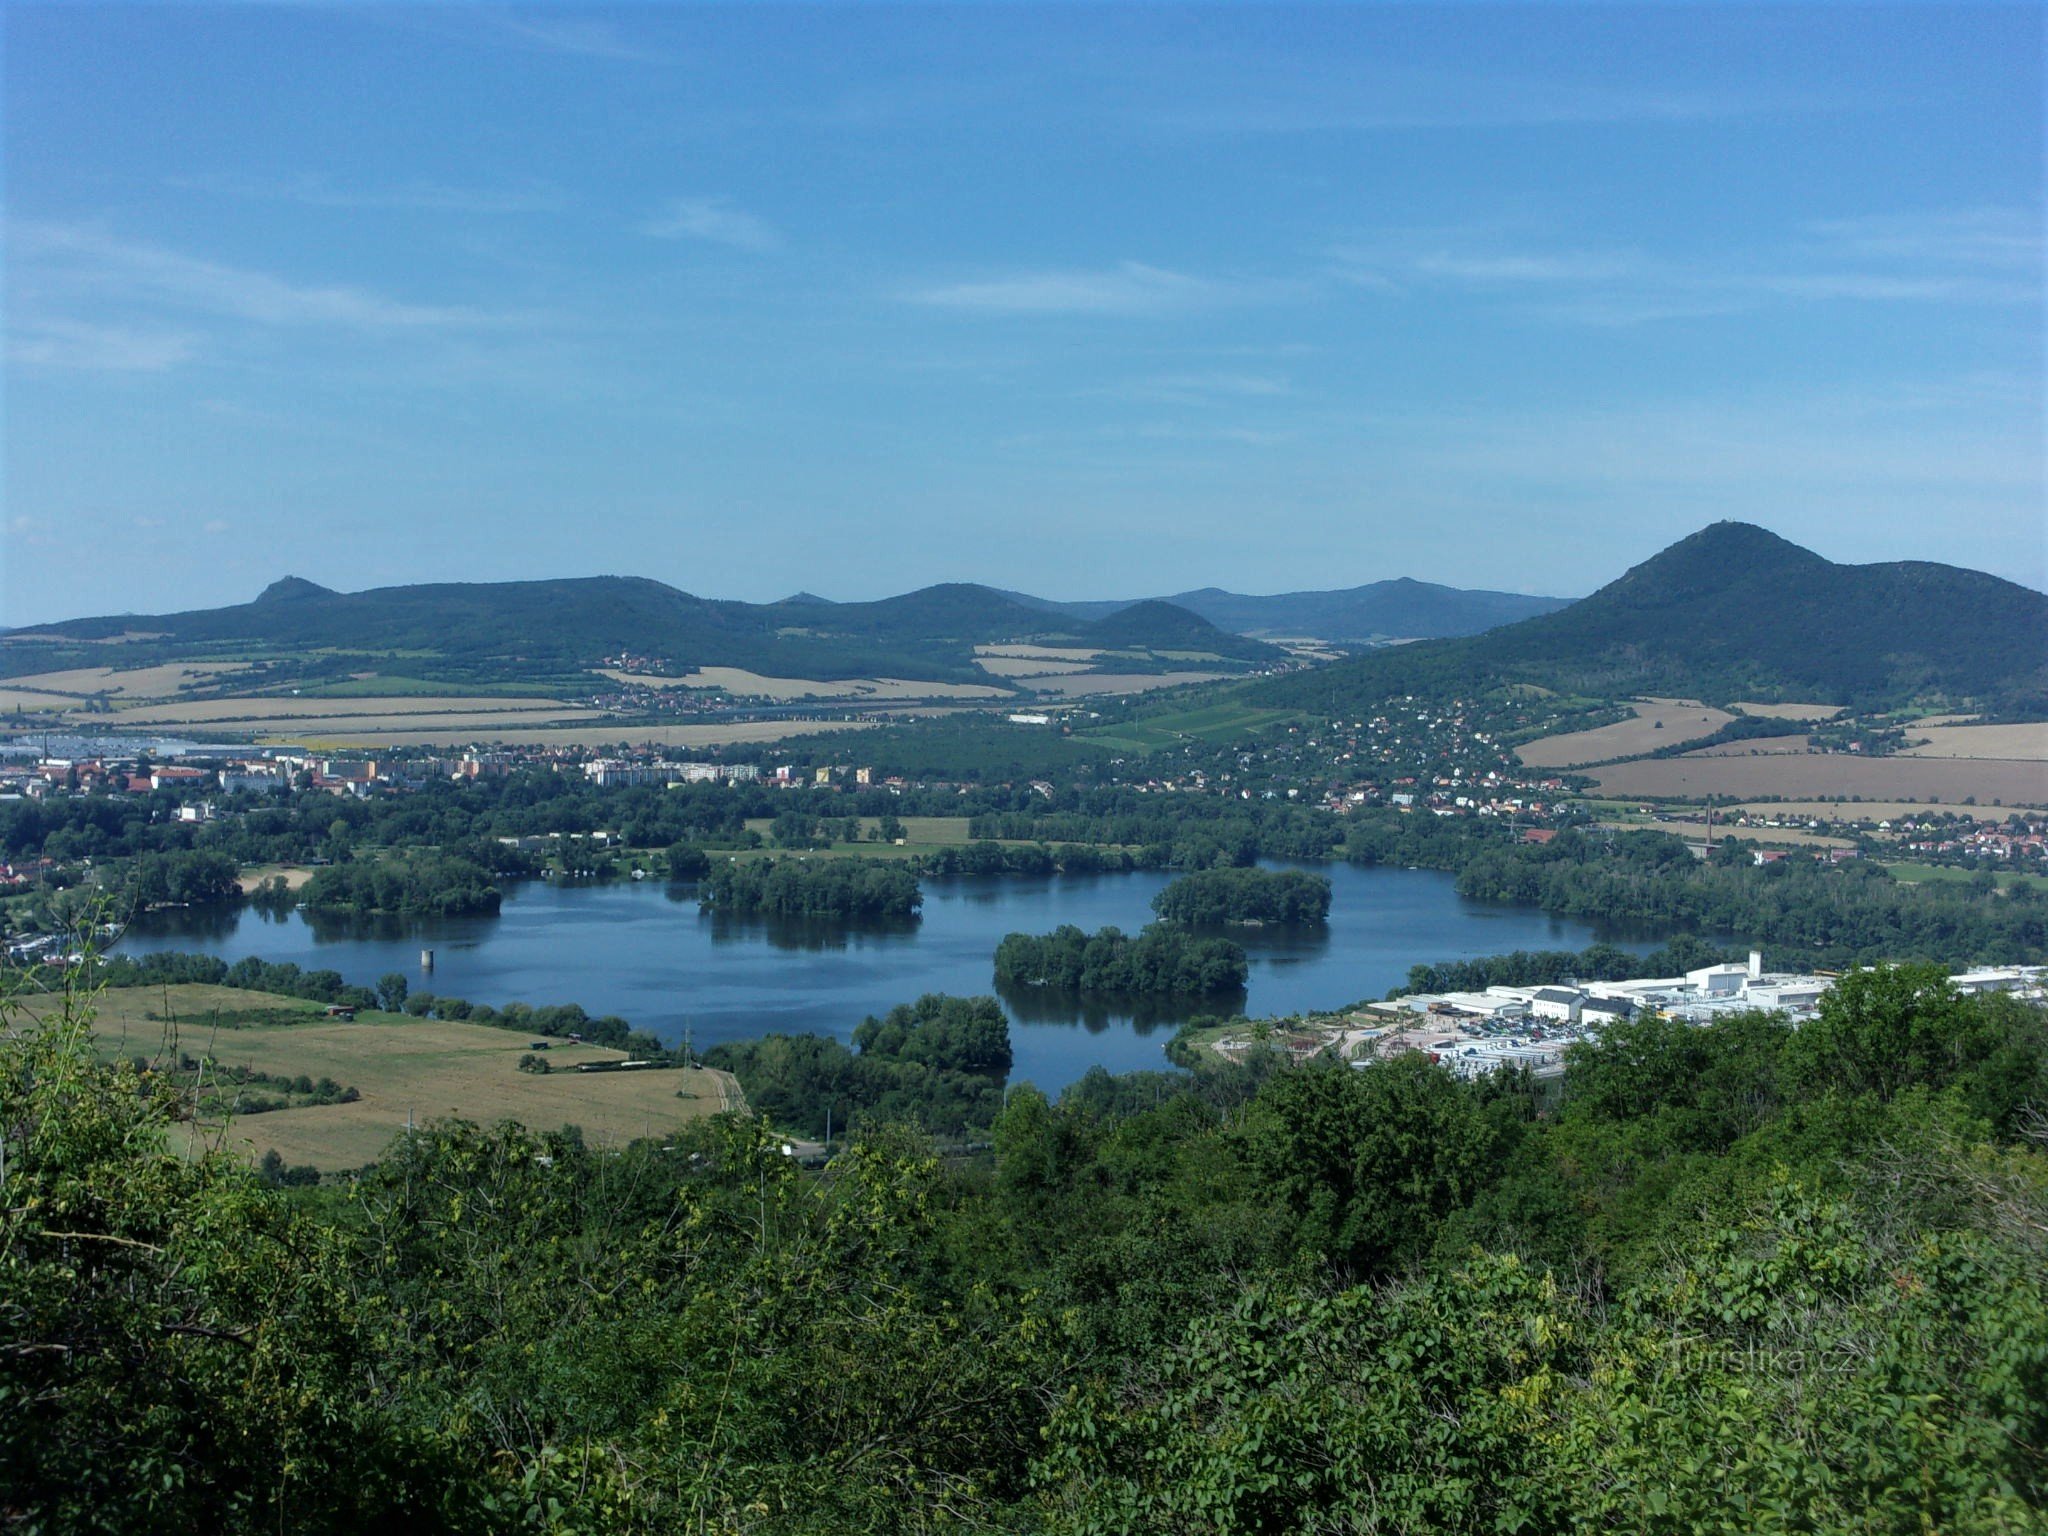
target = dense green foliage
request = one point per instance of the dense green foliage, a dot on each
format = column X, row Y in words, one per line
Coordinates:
column 1747, row 1278
column 1734, row 612
column 1160, row 959
column 937, row 1064
column 1805, row 913
column 1245, row 896
column 471, row 631
column 1402, row 608
column 182, row 878
column 1184, row 832
column 812, row 888
column 435, row 885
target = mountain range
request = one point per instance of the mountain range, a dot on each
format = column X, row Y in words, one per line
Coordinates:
column 1736, row 612
column 474, row 631
column 477, row 630
column 1400, row 609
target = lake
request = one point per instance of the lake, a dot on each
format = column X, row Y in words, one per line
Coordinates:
column 644, row 951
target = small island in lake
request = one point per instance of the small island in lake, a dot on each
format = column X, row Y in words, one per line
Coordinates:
column 812, row 888
column 1160, row 959
column 1245, row 896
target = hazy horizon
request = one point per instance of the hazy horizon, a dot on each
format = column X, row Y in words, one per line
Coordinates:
column 1085, row 303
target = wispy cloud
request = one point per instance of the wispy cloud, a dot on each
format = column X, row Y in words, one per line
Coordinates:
column 1983, row 257
column 580, row 36
column 1986, row 237
column 716, row 220
column 1557, row 267
column 1293, row 94
column 1203, row 388
column 134, row 270
column 77, row 345
column 418, row 196
column 1131, row 288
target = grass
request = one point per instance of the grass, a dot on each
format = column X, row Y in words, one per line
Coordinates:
column 1212, row 723
column 1948, row 874
column 422, row 1069
column 918, row 832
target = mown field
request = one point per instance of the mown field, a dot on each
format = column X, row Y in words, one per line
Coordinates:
column 1214, row 723
column 1907, row 869
column 423, row 1068
column 2026, row 743
column 1656, row 723
column 737, row 680
column 1832, row 776
column 600, row 733
column 1791, row 711
column 920, row 833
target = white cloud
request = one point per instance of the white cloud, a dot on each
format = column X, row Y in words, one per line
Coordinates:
column 1202, row 388
column 716, row 220
column 215, row 525
column 418, row 196
column 1561, row 267
column 74, row 344
column 1131, row 288
column 135, row 270
column 1993, row 237
column 1972, row 257
column 582, row 37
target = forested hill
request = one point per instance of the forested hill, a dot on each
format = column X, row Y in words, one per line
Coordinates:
column 1401, row 609
column 1736, row 612
column 542, row 627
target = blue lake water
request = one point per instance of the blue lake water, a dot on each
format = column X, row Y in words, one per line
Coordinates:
column 645, row 952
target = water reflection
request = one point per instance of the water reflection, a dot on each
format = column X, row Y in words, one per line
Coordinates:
column 804, row 935
column 1144, row 1014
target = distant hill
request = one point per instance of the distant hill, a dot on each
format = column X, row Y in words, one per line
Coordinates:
column 533, row 629
column 1736, row 612
column 1400, row 609
column 290, row 588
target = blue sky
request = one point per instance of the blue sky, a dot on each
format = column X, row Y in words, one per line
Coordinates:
column 1085, row 301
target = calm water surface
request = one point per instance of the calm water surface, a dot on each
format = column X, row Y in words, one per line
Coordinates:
column 644, row 951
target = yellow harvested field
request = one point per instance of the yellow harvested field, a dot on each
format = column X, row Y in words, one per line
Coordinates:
column 1657, row 723
column 1810, row 776
column 1791, row 711
column 1761, row 746
column 1024, row 666
column 1783, row 837
column 1086, row 683
column 221, row 711
column 375, row 729
column 44, row 637
column 126, row 683
column 1041, row 652
column 20, row 699
column 737, row 680
column 2023, row 743
column 429, row 1069
column 602, row 733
